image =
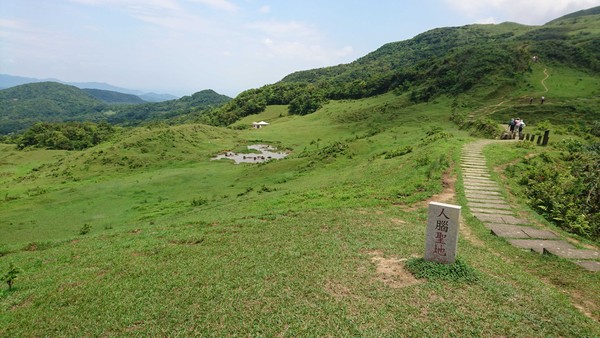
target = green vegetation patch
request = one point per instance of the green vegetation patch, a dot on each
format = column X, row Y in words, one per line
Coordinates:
column 459, row 271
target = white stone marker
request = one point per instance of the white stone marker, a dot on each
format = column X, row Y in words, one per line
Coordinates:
column 441, row 238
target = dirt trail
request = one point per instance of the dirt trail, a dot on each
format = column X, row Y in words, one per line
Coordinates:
column 544, row 80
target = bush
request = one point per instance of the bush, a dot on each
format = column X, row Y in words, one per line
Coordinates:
column 85, row 229
column 565, row 188
column 65, row 136
column 10, row 276
column 398, row 152
column 196, row 202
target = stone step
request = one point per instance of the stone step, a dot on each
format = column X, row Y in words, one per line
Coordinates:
column 538, row 245
column 475, row 171
column 593, row 266
column 480, row 181
column 478, row 188
column 492, row 211
column 499, row 219
column 474, row 165
column 519, row 231
column 483, row 192
column 502, row 206
column 571, row 253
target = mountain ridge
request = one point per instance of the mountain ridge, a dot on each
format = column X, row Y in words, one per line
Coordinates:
column 23, row 105
column 8, row 81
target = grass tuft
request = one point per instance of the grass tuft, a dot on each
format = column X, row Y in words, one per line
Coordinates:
column 457, row 272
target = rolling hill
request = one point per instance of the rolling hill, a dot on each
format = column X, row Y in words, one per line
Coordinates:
column 7, row 81
column 24, row 105
column 477, row 60
column 110, row 97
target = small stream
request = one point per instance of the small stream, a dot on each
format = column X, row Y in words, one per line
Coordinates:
column 267, row 153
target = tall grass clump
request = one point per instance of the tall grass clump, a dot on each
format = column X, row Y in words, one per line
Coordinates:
column 459, row 271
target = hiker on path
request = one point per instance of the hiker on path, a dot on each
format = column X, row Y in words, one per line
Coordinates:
column 543, row 99
column 521, row 126
column 530, row 100
column 511, row 125
column 516, row 127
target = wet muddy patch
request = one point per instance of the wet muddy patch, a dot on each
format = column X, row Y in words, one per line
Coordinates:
column 264, row 153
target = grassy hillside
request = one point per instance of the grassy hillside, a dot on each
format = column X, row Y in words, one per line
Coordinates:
column 145, row 235
column 474, row 60
column 160, row 111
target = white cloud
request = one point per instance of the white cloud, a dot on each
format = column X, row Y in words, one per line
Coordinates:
column 265, row 10
column 218, row 4
column 533, row 12
column 10, row 24
column 133, row 4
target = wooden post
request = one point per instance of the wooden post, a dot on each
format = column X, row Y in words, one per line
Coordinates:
column 546, row 135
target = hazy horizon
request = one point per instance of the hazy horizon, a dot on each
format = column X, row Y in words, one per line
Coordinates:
column 180, row 47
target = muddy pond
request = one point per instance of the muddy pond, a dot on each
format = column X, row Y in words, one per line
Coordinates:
column 265, row 153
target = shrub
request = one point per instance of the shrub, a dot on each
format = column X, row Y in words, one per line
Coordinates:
column 565, row 188
column 85, row 229
column 398, row 152
column 196, row 202
column 11, row 275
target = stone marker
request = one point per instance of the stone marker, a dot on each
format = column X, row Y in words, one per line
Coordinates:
column 441, row 237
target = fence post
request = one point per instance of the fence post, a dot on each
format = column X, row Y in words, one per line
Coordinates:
column 545, row 140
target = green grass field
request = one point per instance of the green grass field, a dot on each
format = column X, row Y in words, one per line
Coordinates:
column 312, row 245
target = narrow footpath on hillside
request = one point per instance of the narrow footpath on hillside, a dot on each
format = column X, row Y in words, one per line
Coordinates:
column 544, row 80
column 486, row 203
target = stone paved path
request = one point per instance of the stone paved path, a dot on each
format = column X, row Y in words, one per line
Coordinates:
column 487, row 204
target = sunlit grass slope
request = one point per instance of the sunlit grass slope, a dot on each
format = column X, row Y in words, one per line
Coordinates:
column 180, row 244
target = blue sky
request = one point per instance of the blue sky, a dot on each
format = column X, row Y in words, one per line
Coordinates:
column 184, row 46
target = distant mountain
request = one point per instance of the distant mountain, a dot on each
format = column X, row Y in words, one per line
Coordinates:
column 153, row 97
column 7, row 81
column 132, row 115
column 111, row 97
column 23, row 105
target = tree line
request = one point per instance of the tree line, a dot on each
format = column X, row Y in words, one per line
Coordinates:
column 65, row 136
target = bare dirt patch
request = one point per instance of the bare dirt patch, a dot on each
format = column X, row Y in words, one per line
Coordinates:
column 337, row 290
column 448, row 194
column 391, row 271
column 398, row 221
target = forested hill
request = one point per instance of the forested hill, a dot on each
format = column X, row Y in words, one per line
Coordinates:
column 135, row 114
column 481, row 59
column 23, row 105
column 570, row 37
column 112, row 97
